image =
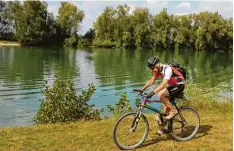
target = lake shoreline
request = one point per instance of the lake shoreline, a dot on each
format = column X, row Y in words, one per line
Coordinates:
column 25, row 69
column 97, row 135
column 4, row 43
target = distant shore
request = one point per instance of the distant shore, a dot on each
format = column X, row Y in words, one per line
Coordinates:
column 4, row 43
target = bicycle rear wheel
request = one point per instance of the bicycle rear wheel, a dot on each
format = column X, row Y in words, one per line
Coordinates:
column 185, row 125
column 130, row 134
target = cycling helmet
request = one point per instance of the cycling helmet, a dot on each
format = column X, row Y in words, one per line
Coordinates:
column 153, row 61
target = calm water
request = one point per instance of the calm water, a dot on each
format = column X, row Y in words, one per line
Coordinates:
column 24, row 70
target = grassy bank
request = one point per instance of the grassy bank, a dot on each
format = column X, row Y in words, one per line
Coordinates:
column 215, row 134
column 4, row 43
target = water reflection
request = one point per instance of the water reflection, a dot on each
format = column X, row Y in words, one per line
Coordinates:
column 127, row 65
column 24, row 70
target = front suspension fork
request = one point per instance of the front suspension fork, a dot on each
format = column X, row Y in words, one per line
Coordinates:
column 136, row 119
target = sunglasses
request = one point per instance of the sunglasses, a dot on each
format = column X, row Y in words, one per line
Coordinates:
column 152, row 67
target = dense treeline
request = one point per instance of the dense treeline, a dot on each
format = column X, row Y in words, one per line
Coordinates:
column 117, row 27
column 29, row 22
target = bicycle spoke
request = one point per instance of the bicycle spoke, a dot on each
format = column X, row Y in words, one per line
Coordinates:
column 131, row 137
column 125, row 137
column 185, row 126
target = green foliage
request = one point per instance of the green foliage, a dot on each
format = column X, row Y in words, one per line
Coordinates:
column 127, row 40
column 213, row 32
column 61, row 104
column 6, row 23
column 70, row 42
column 161, row 27
column 121, row 107
column 34, row 25
column 87, row 39
column 30, row 20
column 205, row 30
column 84, row 43
column 105, row 24
column 103, row 43
column 122, row 24
column 207, row 98
column 69, row 17
column 138, row 102
column 115, row 27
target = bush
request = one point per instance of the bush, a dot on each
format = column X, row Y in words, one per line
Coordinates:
column 121, row 107
column 61, row 104
column 70, row 42
column 138, row 102
column 84, row 42
column 103, row 43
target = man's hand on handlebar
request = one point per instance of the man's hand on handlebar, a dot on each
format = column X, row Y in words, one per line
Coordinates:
column 140, row 91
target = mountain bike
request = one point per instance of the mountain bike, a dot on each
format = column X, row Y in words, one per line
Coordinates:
column 131, row 130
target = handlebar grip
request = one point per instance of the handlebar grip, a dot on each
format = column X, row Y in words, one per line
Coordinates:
column 137, row 90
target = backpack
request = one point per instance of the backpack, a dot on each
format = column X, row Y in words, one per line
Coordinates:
column 179, row 68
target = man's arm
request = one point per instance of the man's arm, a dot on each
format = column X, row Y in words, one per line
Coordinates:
column 168, row 74
column 161, row 86
column 149, row 83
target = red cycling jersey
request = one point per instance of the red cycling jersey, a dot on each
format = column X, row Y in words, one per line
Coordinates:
column 167, row 73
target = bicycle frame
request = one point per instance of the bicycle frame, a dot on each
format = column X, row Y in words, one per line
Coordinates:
column 168, row 126
column 144, row 105
column 146, row 100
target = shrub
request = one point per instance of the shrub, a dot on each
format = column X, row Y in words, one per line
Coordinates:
column 70, row 42
column 138, row 102
column 121, row 107
column 103, row 43
column 61, row 104
column 84, row 43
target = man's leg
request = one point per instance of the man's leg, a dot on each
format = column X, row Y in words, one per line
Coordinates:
column 167, row 107
column 164, row 97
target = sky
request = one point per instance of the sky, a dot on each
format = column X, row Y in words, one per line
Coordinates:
column 94, row 8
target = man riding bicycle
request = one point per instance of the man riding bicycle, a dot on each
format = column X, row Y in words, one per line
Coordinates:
column 172, row 84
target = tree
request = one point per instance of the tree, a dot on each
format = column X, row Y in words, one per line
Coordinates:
column 90, row 34
column 122, row 23
column 6, row 25
column 69, row 18
column 161, row 29
column 87, row 39
column 214, row 32
column 185, row 34
column 141, row 21
column 52, row 36
column 105, row 24
column 30, row 20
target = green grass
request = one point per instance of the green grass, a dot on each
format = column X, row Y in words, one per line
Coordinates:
column 215, row 134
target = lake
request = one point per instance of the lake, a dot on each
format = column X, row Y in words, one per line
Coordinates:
column 24, row 70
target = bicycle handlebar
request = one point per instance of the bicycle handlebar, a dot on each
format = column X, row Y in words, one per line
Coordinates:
column 145, row 95
column 138, row 90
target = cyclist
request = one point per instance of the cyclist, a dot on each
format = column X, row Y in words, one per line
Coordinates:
column 173, row 83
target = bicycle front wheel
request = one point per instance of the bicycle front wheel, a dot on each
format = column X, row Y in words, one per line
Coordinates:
column 186, row 124
column 130, row 131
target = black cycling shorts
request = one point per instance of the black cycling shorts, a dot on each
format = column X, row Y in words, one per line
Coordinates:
column 175, row 89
